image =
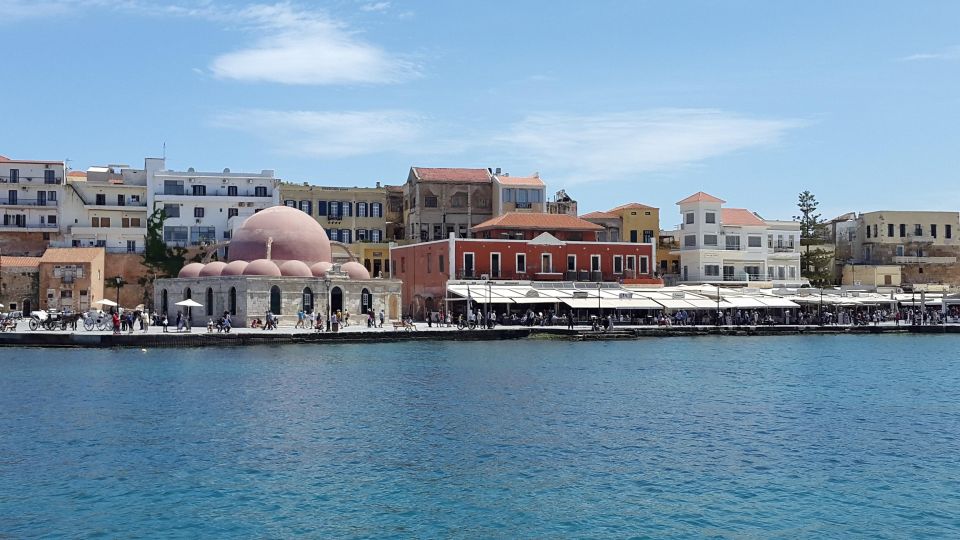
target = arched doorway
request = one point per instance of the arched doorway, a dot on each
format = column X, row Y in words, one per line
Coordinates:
column 232, row 301
column 209, row 303
column 275, row 303
column 336, row 299
column 188, row 311
column 27, row 307
column 366, row 301
column 164, row 304
column 307, row 299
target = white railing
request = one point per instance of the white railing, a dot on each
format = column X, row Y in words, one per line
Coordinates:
column 928, row 260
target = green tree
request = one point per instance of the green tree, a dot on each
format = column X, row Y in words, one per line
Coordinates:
column 816, row 260
column 161, row 260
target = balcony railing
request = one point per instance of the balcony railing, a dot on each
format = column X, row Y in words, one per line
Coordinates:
column 730, row 247
column 922, row 260
column 138, row 204
column 522, row 205
column 239, row 193
column 13, row 226
column 28, row 179
column 783, row 249
column 27, row 202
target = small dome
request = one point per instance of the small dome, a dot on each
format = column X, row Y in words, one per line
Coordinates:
column 291, row 235
column 234, row 268
column 295, row 269
column 213, row 269
column 321, row 268
column 355, row 270
column 262, row 267
column 191, row 270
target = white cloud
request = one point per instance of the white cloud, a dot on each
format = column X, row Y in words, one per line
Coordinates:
column 15, row 10
column 307, row 47
column 950, row 53
column 617, row 146
column 375, row 6
column 329, row 134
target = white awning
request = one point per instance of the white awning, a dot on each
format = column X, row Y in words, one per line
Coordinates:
column 744, row 302
column 777, row 302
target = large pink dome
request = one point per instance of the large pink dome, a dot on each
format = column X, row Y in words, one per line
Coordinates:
column 320, row 269
column 191, row 270
column 295, row 269
column 234, row 268
column 213, row 268
column 355, row 270
column 262, row 267
column 292, row 235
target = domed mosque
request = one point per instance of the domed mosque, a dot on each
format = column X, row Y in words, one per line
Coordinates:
column 278, row 260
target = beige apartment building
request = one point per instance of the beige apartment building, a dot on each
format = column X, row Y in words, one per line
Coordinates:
column 440, row 201
column 353, row 216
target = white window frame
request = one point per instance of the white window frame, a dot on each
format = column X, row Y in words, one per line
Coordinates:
column 549, row 268
column 463, row 260
column 499, row 266
column 707, row 273
column 618, row 261
column 644, row 262
column 631, row 262
column 516, row 263
column 361, row 209
column 598, row 265
column 574, row 262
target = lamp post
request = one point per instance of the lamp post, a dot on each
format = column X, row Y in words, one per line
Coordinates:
column 718, row 304
column 326, row 283
column 119, row 283
column 486, row 320
column 599, row 309
column 821, row 305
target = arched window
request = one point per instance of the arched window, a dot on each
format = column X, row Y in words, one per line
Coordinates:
column 232, row 301
column 307, row 299
column 275, row 303
column 164, row 305
column 209, row 302
column 187, row 293
column 365, row 301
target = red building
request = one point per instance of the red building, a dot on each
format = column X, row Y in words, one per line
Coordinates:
column 426, row 268
column 527, row 226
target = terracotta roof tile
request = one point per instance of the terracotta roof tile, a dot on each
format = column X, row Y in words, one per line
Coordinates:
column 455, row 175
column 632, row 206
column 5, row 159
column 71, row 255
column 538, row 221
column 599, row 215
column 701, row 197
column 739, row 216
column 520, row 180
column 77, row 174
column 19, row 262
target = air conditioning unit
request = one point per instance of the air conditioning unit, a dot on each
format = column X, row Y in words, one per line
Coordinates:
column 485, row 277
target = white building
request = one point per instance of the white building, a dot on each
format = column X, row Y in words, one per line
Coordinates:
column 735, row 245
column 105, row 207
column 30, row 201
column 204, row 207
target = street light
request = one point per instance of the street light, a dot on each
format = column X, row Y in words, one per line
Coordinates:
column 486, row 320
column 718, row 304
column 821, row 305
column 599, row 309
column 119, row 283
column 326, row 283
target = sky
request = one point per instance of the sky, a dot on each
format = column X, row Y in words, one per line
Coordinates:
column 614, row 101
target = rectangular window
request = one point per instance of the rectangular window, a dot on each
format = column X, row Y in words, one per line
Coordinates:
column 49, row 176
column 631, row 262
column 441, row 267
column 376, row 236
column 947, row 231
column 361, row 235
column 769, row 241
column 770, row 272
column 347, row 208
column 594, row 263
column 508, row 195
column 733, row 242
column 709, row 240
column 361, row 209
column 468, row 265
column 52, row 196
column 175, row 234
column 172, row 187
column 430, row 201
column 403, row 264
column 521, row 263
column 131, row 246
column 14, row 176
column 792, row 271
column 711, row 217
column 199, row 190
column 125, row 222
column 933, row 230
column 101, row 199
column 199, row 235
column 334, row 211
column 546, row 263
column 711, row 270
column 333, row 235
column 918, row 230
column 306, row 206
column 644, row 262
column 171, row 210
column 690, row 240
column 232, row 212
column 495, row 265
column 890, row 230
column 903, row 230
column 321, row 208
column 429, row 265
column 868, row 231
column 571, row 263
column 290, row 203
column 231, row 191
column 617, row 264
column 647, row 236
column 689, row 218
column 875, row 235
column 120, row 201
column 260, row 191
column 346, row 236
column 100, row 222
column 198, row 212
column 51, row 220
column 754, row 241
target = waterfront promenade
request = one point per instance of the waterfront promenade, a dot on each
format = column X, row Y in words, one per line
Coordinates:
column 154, row 336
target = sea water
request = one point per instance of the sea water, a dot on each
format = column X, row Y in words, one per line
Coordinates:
column 790, row 437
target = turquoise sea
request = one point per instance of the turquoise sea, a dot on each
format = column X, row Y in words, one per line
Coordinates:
column 772, row 437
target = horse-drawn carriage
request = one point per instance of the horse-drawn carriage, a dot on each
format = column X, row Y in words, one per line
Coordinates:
column 53, row 319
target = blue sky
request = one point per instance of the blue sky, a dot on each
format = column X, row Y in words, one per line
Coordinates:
column 614, row 101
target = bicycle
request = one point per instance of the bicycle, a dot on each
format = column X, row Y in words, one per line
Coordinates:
column 98, row 321
column 471, row 324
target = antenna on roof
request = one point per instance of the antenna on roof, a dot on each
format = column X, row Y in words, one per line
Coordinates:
column 164, row 149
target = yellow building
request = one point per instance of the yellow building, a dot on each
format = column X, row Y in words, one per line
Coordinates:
column 353, row 216
column 632, row 222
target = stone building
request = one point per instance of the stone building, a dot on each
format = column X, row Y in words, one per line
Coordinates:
column 20, row 283
column 280, row 260
column 71, row 278
column 440, row 201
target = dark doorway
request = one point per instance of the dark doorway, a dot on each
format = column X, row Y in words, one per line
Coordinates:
column 275, row 300
column 365, row 301
column 336, row 299
column 232, row 301
column 307, row 300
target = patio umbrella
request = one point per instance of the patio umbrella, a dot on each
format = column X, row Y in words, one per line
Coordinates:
column 189, row 302
column 106, row 302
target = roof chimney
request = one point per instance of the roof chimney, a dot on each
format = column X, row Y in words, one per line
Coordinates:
column 497, row 170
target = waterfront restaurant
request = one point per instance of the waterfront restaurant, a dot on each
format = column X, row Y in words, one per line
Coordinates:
column 279, row 260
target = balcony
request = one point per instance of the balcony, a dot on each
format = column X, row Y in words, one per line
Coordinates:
column 924, row 260
column 784, row 249
column 213, row 193
column 30, row 179
column 135, row 206
column 523, row 205
column 27, row 202
column 30, row 227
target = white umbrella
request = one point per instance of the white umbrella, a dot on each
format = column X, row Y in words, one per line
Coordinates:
column 106, row 302
column 189, row 302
